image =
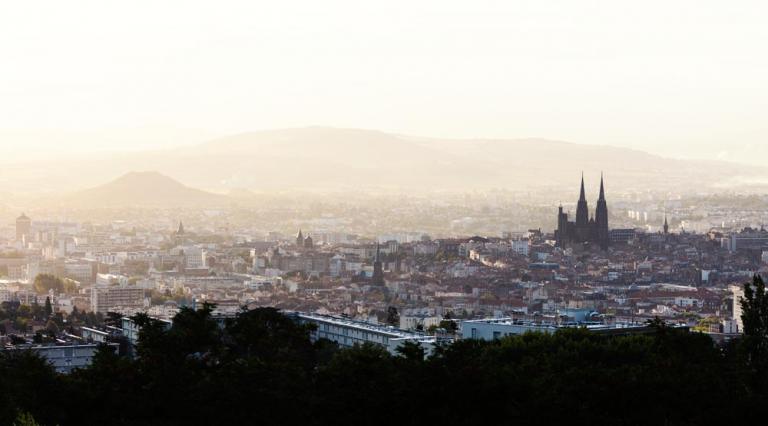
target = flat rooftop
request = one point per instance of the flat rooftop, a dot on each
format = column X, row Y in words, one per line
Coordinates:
column 391, row 332
column 551, row 326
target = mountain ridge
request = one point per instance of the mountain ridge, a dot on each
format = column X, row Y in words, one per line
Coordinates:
column 327, row 158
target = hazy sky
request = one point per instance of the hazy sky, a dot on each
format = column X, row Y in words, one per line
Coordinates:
column 677, row 77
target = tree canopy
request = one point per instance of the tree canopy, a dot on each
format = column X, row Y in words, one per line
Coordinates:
column 261, row 367
column 47, row 282
column 754, row 306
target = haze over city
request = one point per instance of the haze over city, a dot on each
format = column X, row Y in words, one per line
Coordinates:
column 377, row 213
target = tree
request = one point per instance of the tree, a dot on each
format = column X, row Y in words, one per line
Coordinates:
column 48, row 307
column 449, row 325
column 17, row 340
column 113, row 319
column 411, row 351
column 393, row 318
column 69, row 286
column 52, row 328
column 47, row 282
column 754, row 316
column 25, row 419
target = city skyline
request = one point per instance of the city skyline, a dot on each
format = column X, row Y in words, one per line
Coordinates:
column 302, row 212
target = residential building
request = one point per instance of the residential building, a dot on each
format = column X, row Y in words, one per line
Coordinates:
column 348, row 333
column 106, row 299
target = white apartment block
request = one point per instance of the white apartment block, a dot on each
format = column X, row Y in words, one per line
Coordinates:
column 106, row 299
column 413, row 322
column 348, row 333
column 521, row 247
column 737, row 292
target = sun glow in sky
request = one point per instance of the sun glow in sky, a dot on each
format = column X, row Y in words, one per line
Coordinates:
column 684, row 78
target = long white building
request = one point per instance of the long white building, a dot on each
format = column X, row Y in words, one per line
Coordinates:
column 116, row 298
column 348, row 333
column 497, row 328
column 65, row 358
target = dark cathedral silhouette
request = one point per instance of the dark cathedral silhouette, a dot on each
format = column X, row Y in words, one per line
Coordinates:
column 592, row 230
column 378, row 271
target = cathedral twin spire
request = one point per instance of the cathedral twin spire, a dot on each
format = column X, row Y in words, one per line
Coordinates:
column 586, row 228
column 602, row 187
column 583, row 195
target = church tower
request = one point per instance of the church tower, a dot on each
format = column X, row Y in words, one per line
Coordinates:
column 299, row 239
column 666, row 225
column 582, row 209
column 586, row 228
column 601, row 218
column 582, row 215
column 561, row 235
column 378, row 272
column 178, row 237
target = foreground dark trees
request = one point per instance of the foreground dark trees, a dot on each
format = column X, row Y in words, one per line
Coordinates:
column 261, row 368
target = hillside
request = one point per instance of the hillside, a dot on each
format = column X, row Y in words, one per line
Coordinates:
column 142, row 189
column 321, row 158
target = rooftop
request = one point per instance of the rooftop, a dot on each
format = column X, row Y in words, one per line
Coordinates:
column 551, row 326
column 390, row 331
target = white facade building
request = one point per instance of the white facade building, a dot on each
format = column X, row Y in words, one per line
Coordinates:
column 497, row 328
column 412, row 322
column 348, row 333
column 66, row 358
column 738, row 293
column 521, row 247
column 105, row 280
column 106, row 299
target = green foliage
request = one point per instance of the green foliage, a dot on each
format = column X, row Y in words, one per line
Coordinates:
column 449, row 326
column 25, row 419
column 393, row 318
column 28, row 385
column 411, row 351
column 754, row 316
column 48, row 307
column 46, row 282
column 70, row 286
column 52, row 328
column 261, row 368
column 13, row 254
column 18, row 316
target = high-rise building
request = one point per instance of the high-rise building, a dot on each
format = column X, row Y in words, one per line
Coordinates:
column 737, row 292
column 23, row 228
column 585, row 230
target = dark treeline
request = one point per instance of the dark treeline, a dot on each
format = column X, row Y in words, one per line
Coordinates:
column 261, row 368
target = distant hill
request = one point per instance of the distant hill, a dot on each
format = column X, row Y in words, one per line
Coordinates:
column 323, row 158
column 330, row 158
column 143, row 189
